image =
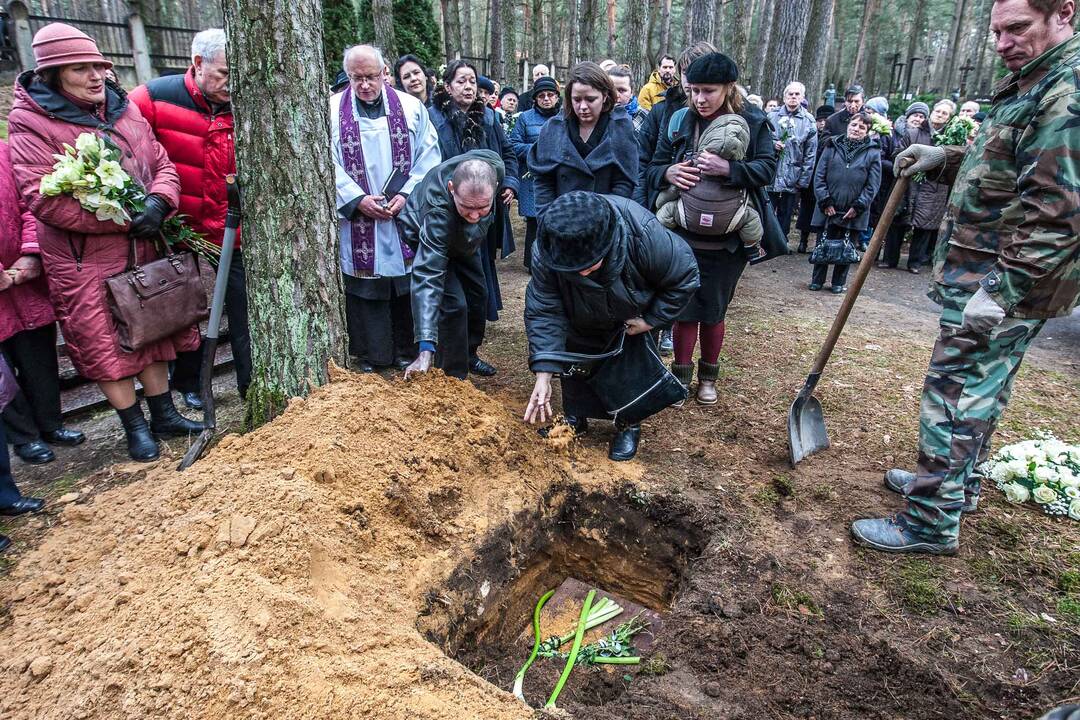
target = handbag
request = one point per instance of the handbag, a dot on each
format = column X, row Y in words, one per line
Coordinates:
column 154, row 301
column 630, row 379
column 834, row 250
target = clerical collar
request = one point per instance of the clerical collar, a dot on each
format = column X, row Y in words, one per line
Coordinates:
column 370, row 110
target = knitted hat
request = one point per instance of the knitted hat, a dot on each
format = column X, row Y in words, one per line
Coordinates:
column 823, row 112
column 879, row 105
column 484, row 83
column 712, row 69
column 545, row 83
column 58, row 44
column 918, row 107
column 577, row 231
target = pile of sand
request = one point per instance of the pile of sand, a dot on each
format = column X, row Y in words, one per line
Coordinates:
column 282, row 575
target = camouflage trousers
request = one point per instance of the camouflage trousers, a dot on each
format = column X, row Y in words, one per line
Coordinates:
column 966, row 389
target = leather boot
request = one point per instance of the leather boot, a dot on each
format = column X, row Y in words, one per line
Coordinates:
column 624, row 444
column 685, row 375
column 141, row 444
column 706, row 389
column 165, row 421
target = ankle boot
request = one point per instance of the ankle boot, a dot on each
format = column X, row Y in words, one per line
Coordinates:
column 141, row 444
column 802, row 243
column 624, row 444
column 165, row 421
column 685, row 375
column 706, row 389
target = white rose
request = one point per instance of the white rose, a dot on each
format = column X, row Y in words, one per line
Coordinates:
column 1016, row 493
column 1018, row 468
column 1045, row 474
column 1000, row 472
column 1068, row 478
column 1072, row 493
column 1074, row 509
column 1044, row 495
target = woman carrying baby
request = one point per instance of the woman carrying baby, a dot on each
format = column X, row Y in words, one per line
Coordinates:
column 586, row 147
column 722, row 242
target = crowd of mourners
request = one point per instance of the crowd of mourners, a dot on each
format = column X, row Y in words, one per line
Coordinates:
column 642, row 207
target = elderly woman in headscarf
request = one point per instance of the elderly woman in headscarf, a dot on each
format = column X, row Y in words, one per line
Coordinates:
column 64, row 97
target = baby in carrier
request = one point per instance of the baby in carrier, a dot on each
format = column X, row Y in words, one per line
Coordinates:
column 712, row 207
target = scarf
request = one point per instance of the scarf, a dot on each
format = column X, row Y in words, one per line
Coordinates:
column 848, row 148
column 352, row 155
column 548, row 112
column 584, row 147
column 632, row 107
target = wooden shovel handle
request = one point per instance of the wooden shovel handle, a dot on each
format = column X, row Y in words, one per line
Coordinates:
column 868, row 259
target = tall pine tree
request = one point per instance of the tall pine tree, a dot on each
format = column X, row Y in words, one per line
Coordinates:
column 341, row 29
column 416, row 31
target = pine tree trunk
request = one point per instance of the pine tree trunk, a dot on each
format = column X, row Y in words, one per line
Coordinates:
column 815, row 55
column 468, row 37
column 980, row 47
column 495, row 58
column 572, row 26
column 652, row 40
column 952, row 50
column 756, row 73
column 913, row 45
column 635, row 47
column 454, row 7
column 869, row 9
column 509, row 42
column 702, row 18
column 665, row 31
column 382, row 14
column 789, row 34
column 447, row 29
column 290, row 233
column 611, row 27
column 741, row 25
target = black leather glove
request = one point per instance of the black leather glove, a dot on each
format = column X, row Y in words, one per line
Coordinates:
column 147, row 224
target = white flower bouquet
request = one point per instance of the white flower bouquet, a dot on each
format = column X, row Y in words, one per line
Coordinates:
column 91, row 173
column 1045, row 470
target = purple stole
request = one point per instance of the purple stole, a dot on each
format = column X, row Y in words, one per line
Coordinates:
column 352, row 154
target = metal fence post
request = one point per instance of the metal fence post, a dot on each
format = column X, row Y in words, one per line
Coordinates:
column 21, row 36
column 140, row 49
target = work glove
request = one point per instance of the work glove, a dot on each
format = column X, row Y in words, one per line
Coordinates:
column 147, row 224
column 926, row 158
column 982, row 314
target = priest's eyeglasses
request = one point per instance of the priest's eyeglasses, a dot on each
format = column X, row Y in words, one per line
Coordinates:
column 366, row 79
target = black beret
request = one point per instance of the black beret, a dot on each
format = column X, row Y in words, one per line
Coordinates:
column 545, row 83
column 484, row 83
column 824, row 112
column 507, row 91
column 712, row 69
column 577, row 231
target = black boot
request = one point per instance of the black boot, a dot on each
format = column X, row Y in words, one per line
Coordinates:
column 804, row 237
column 625, row 443
column 165, row 421
column 141, row 444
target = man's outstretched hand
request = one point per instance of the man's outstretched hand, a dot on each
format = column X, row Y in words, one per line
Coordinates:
column 539, row 407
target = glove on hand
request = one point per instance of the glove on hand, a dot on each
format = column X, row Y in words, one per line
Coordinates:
column 926, row 157
column 982, row 314
column 147, row 224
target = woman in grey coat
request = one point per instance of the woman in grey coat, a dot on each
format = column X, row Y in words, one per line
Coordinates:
column 845, row 182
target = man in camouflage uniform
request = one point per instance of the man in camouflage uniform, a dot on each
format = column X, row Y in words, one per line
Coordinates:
column 1008, row 259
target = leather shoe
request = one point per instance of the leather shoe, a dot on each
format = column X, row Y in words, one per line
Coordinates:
column 815, row 286
column 481, row 368
column 63, row 436
column 838, row 289
column 192, row 400
column 5, row 542
column 894, row 534
column 885, row 266
column 35, row 453
column 580, row 426
column 23, row 506
column 624, row 444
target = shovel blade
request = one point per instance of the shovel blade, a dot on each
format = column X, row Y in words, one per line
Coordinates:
column 197, row 449
column 806, row 428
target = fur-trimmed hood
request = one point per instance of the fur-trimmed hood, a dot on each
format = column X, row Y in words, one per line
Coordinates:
column 468, row 126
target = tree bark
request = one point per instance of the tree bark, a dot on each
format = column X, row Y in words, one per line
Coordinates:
column 912, row 73
column 509, row 42
column 815, row 54
column 447, row 29
column 572, row 26
column 665, row 31
column 783, row 64
column 740, row 37
column 635, row 46
column 290, row 232
column 869, row 9
column 611, row 27
column 980, row 47
column 495, row 58
column 652, row 40
column 454, row 6
column 382, row 13
column 468, row 37
column 765, row 24
column 702, row 21
column 952, row 50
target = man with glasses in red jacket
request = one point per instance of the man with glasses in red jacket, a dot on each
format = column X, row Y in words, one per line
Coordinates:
column 192, row 118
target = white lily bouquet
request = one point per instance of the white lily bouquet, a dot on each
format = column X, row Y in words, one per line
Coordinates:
column 1045, row 470
column 91, row 173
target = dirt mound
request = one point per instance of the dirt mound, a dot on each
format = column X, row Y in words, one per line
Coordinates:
column 281, row 576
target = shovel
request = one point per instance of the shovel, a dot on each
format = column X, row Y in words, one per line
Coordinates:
column 806, row 421
column 213, row 328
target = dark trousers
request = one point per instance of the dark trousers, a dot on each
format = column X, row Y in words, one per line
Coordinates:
column 36, row 408
column 893, row 242
column 530, row 238
column 784, row 204
column 380, row 331
column 922, row 245
column 839, row 274
column 462, row 315
column 185, row 376
column 9, row 494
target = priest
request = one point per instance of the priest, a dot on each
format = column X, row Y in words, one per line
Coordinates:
column 383, row 145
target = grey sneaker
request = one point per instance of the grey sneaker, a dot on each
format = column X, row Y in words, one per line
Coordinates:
column 896, row 479
column 667, row 345
column 893, row 534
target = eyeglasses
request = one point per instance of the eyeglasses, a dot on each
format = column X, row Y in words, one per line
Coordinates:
column 365, row 79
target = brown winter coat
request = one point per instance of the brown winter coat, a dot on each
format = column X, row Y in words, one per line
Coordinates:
column 926, row 201
column 41, row 121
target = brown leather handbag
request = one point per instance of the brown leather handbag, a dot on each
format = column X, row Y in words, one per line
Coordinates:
column 154, row 301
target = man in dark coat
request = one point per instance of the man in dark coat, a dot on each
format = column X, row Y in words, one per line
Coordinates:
column 837, row 122
column 446, row 220
column 602, row 263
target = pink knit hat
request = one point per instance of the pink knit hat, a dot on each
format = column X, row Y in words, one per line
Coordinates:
column 59, row 44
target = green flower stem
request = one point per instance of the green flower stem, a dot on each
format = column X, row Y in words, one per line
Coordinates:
column 519, row 680
column 573, row 650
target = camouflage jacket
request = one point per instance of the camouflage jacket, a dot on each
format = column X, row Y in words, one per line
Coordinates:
column 1013, row 223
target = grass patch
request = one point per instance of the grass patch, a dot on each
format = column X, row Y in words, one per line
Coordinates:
column 657, row 664
column 1069, row 609
column 795, row 600
column 784, row 485
column 823, row 492
column 918, row 585
column 1069, row 581
column 767, row 496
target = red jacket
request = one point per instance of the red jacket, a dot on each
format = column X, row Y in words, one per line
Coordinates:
column 41, row 121
column 25, row 306
column 198, row 141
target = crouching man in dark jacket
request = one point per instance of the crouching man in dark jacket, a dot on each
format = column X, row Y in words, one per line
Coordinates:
column 446, row 220
column 602, row 262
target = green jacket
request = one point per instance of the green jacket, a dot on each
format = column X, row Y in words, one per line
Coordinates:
column 1013, row 223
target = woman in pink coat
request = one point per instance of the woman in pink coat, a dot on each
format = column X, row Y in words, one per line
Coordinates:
column 65, row 96
column 28, row 331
